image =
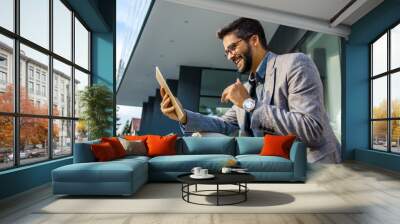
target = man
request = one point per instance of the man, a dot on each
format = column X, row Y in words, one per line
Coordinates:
column 284, row 95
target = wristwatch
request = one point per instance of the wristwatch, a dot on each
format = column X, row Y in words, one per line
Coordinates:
column 249, row 104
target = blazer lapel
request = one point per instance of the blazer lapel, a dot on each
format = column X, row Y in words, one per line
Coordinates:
column 269, row 82
column 240, row 113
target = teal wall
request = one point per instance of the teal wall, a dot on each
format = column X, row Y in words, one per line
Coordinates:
column 103, row 71
column 24, row 178
column 357, row 84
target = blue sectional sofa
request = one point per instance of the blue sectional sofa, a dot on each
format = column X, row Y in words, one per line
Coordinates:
column 125, row 176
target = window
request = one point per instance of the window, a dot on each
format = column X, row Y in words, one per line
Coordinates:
column 81, row 45
column 30, row 72
column 81, row 81
column 385, row 96
column 62, row 74
column 3, row 78
column 34, row 22
column 38, row 89
column 213, row 83
column 45, row 131
column 37, row 74
column 6, row 142
column 3, row 61
column 7, row 14
column 6, row 74
column 44, row 91
column 62, row 29
column 62, row 137
column 30, row 87
column 44, row 77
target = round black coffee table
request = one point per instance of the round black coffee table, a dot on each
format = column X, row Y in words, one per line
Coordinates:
column 238, row 179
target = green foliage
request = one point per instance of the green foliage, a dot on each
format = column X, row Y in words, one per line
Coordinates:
column 127, row 129
column 96, row 102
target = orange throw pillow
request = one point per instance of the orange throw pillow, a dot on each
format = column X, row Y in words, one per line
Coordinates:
column 161, row 145
column 277, row 145
column 116, row 145
column 103, row 152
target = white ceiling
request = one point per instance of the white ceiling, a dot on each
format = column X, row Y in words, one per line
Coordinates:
column 175, row 35
column 183, row 32
column 319, row 9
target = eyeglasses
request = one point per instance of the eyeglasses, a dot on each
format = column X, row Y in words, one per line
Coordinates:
column 232, row 47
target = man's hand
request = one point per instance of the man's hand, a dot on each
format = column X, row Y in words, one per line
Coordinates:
column 168, row 109
column 236, row 93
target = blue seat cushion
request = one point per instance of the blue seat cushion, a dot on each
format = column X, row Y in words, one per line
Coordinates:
column 185, row 163
column 111, row 171
column 249, row 145
column 257, row 163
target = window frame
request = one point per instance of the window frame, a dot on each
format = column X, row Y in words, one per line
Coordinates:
column 388, row 74
column 16, row 114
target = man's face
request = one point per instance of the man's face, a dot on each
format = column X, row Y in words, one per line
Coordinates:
column 238, row 51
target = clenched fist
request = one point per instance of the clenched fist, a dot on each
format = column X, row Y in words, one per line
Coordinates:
column 236, row 93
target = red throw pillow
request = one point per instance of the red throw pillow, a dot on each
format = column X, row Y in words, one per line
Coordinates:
column 136, row 137
column 277, row 145
column 103, row 152
column 161, row 145
column 116, row 145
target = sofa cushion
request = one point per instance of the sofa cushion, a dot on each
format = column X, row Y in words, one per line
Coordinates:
column 277, row 145
column 161, row 145
column 135, row 147
column 249, row 145
column 185, row 163
column 83, row 152
column 111, row 171
column 257, row 163
column 116, row 145
column 103, row 152
column 208, row 145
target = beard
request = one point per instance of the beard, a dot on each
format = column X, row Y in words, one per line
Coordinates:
column 247, row 61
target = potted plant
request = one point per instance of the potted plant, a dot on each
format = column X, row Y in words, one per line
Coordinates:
column 96, row 102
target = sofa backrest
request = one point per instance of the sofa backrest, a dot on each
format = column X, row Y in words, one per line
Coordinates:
column 249, row 145
column 206, row 145
column 83, row 152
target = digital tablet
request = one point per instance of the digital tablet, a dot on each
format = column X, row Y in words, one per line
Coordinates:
column 161, row 81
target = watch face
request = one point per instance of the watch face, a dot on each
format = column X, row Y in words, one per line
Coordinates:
column 248, row 104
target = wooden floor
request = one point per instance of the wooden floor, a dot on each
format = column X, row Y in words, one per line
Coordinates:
column 377, row 188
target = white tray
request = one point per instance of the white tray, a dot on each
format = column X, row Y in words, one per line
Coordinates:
column 208, row 176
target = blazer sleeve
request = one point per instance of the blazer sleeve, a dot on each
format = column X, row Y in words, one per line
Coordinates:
column 196, row 122
column 305, row 103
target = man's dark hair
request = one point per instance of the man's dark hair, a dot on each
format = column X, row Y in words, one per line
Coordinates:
column 244, row 28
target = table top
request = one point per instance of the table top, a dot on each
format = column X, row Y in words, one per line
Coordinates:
column 220, row 178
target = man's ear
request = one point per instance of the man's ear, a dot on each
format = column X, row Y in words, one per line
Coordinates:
column 254, row 40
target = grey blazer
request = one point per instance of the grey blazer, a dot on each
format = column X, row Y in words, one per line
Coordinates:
column 289, row 102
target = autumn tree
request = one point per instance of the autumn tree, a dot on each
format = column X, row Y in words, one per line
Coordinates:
column 380, row 127
column 33, row 131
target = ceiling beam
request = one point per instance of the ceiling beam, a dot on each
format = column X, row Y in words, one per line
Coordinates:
column 268, row 15
column 346, row 12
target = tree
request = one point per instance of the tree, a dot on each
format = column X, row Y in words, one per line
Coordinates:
column 380, row 127
column 97, row 104
column 33, row 131
column 127, row 128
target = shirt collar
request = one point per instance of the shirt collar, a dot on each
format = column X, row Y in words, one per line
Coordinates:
column 260, row 71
